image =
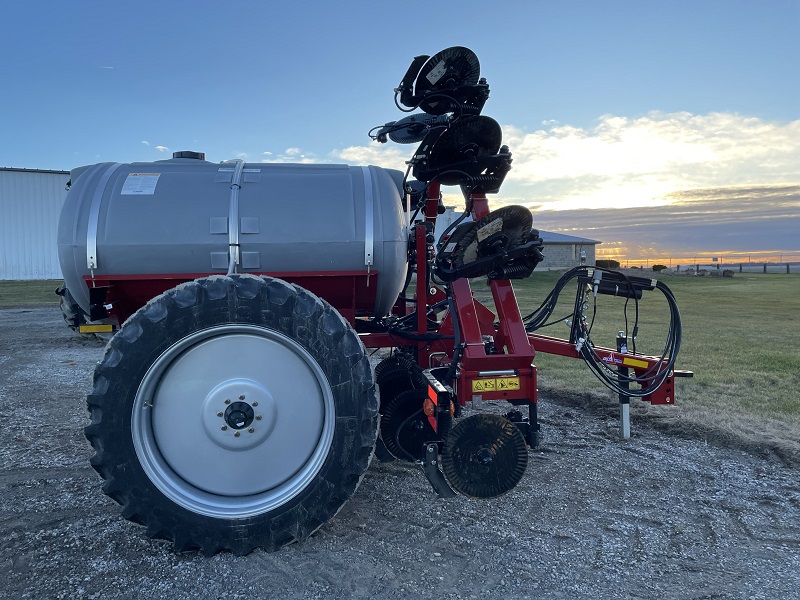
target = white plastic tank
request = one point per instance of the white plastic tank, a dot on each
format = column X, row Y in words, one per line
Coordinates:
column 173, row 217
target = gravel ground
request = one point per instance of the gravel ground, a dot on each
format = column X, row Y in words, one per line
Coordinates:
column 657, row 516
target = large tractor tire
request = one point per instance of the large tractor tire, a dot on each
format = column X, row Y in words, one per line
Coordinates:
column 72, row 313
column 233, row 413
column 75, row 317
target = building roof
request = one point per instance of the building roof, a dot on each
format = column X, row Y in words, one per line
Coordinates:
column 34, row 170
column 550, row 237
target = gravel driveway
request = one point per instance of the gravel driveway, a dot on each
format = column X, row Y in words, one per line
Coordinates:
column 657, row 516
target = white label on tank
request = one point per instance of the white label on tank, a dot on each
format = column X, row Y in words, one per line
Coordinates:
column 450, row 247
column 140, row 184
column 437, row 72
column 489, row 229
column 231, row 169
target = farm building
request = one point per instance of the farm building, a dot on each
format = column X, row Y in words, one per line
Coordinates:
column 564, row 251
column 30, row 204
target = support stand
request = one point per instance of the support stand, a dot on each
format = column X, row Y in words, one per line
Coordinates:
column 624, row 399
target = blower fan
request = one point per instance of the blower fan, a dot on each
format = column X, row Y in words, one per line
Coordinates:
column 502, row 245
column 447, row 82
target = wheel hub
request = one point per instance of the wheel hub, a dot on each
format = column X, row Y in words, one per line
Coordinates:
column 239, row 414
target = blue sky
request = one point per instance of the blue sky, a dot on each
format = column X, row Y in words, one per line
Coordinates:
column 607, row 106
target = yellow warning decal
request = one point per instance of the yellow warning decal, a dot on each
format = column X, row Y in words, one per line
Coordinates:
column 484, row 385
column 500, row 384
column 103, row 328
column 508, row 383
column 632, row 362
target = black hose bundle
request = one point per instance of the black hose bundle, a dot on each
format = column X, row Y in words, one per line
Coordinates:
column 621, row 285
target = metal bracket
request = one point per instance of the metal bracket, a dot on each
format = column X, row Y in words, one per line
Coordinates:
column 430, row 466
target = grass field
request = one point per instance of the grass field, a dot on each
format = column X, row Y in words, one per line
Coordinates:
column 17, row 294
column 741, row 337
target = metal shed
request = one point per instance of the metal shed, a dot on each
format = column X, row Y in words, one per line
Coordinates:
column 30, row 203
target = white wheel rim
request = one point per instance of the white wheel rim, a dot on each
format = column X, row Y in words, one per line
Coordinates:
column 225, row 463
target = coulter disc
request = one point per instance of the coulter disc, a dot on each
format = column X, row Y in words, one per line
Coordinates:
column 484, row 456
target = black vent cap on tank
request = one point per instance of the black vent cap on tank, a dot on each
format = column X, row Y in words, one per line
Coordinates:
column 189, row 154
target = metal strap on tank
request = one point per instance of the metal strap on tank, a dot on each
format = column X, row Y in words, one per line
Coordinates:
column 233, row 217
column 94, row 218
column 369, row 236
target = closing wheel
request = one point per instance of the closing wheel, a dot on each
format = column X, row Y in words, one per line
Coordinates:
column 398, row 361
column 484, row 456
column 397, row 374
column 232, row 413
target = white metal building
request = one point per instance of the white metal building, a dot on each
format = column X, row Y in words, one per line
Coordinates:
column 30, row 204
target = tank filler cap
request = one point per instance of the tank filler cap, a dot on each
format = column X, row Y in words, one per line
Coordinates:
column 189, row 154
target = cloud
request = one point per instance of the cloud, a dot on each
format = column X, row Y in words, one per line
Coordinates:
column 627, row 162
column 390, row 156
column 292, row 155
column 735, row 222
column 145, row 142
column 162, row 148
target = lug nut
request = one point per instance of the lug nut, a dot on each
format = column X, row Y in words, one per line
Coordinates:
column 219, row 414
column 258, row 417
column 237, row 434
column 251, row 430
column 241, row 397
column 227, row 401
column 224, row 428
column 255, row 403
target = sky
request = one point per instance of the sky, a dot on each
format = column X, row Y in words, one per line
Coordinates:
column 663, row 129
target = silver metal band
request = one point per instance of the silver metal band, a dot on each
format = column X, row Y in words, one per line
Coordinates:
column 94, row 216
column 233, row 217
column 369, row 225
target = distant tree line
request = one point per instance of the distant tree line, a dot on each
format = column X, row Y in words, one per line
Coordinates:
column 606, row 263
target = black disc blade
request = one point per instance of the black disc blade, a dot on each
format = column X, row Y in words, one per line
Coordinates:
column 484, row 456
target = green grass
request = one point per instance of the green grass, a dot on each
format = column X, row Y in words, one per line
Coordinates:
column 741, row 337
column 18, row 294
